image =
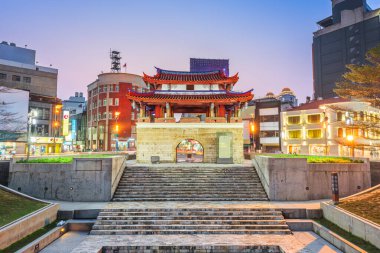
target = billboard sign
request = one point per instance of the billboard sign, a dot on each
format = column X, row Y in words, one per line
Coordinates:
column 65, row 123
column 13, row 114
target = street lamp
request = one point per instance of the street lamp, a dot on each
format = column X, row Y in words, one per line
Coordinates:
column 350, row 138
column 252, row 134
column 31, row 121
column 117, row 114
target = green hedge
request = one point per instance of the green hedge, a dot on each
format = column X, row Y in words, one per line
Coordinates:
column 318, row 159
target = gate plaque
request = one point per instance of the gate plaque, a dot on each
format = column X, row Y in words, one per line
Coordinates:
column 224, row 147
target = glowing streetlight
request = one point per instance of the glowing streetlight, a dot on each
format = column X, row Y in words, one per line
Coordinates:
column 350, row 138
column 117, row 114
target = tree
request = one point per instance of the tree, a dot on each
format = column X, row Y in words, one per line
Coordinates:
column 362, row 82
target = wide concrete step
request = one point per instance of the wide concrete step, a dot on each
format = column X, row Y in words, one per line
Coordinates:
column 110, row 217
column 191, row 222
column 188, row 212
column 188, row 227
column 187, row 186
column 188, row 199
column 189, row 232
column 204, row 210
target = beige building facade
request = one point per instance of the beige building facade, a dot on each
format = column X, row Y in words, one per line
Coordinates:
column 332, row 127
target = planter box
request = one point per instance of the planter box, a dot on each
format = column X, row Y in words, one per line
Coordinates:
column 352, row 223
column 28, row 224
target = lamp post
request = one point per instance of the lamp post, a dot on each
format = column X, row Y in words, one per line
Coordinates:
column 252, row 130
column 117, row 114
column 31, row 121
column 325, row 123
column 350, row 138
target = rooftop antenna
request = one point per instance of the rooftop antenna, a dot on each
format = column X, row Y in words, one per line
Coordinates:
column 115, row 61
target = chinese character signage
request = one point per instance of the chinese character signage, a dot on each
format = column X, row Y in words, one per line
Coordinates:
column 65, row 123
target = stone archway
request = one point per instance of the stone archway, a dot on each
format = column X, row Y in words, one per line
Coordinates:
column 189, row 151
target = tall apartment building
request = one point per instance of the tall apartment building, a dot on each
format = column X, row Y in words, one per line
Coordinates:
column 18, row 70
column 77, row 107
column 111, row 120
column 343, row 38
column 202, row 65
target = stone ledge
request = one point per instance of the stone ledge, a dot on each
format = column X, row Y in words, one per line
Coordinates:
column 352, row 223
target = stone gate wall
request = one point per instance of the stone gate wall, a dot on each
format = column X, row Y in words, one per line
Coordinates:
column 161, row 139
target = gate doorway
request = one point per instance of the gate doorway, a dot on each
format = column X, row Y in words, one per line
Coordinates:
column 189, row 151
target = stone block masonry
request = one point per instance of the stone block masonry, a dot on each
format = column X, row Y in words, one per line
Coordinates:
column 162, row 139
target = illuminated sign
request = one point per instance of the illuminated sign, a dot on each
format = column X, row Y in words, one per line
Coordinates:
column 65, row 123
column 73, row 129
column 46, row 140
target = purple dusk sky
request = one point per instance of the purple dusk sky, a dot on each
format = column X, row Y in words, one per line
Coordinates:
column 268, row 42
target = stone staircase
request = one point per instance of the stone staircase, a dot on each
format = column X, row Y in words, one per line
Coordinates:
column 208, row 183
column 190, row 221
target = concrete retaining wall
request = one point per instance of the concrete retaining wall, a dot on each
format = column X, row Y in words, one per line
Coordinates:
column 356, row 225
column 86, row 179
column 375, row 173
column 24, row 226
column 4, row 172
column 295, row 179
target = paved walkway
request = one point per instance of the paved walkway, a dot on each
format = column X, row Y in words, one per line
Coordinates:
column 298, row 242
column 66, row 243
column 313, row 204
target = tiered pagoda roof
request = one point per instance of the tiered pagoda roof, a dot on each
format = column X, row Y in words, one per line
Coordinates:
column 190, row 97
column 182, row 77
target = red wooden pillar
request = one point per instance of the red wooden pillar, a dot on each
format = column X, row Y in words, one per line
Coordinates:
column 157, row 111
column 222, row 111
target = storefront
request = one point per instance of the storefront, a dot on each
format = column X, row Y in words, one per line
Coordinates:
column 318, row 150
column 125, row 145
column 45, row 145
column 294, row 149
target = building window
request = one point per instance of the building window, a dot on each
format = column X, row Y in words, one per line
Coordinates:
column 314, row 118
column 117, row 88
column 27, row 79
column 110, row 115
column 132, row 115
column 105, row 88
column 294, row 134
column 111, row 87
column 294, row 120
column 339, row 116
column 314, row 134
column 110, row 101
column 269, row 118
column 104, row 102
column 3, row 76
column 104, row 115
column 116, row 101
column 340, row 132
column 16, row 78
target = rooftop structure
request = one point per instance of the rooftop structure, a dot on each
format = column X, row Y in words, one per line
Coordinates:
column 199, row 64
